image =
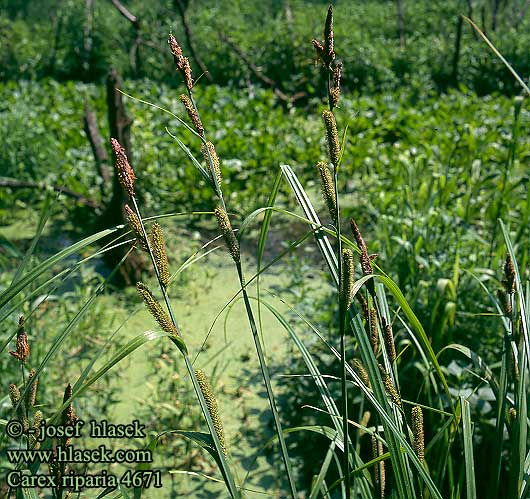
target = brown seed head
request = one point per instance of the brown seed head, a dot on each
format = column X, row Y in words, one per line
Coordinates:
column 366, row 263
column 212, row 162
column 225, row 227
column 389, row 340
column 348, row 271
column 159, row 253
column 181, row 63
column 417, row 432
column 374, row 333
column 334, row 92
column 328, row 189
column 124, row 169
column 22, row 345
column 192, row 114
column 213, row 409
column 332, row 136
column 156, row 310
column 329, row 53
column 509, row 275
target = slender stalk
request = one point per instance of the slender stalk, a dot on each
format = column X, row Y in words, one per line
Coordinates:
column 257, row 342
column 234, row 492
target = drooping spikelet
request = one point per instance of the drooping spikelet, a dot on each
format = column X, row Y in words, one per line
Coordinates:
column 208, row 151
column 34, row 383
column 332, row 136
column 319, row 50
column 225, row 227
column 417, row 432
column 135, row 226
column 346, row 282
column 22, row 346
column 181, row 63
column 361, row 371
column 329, row 52
column 193, row 115
column 509, row 275
column 37, row 421
column 374, row 332
column 123, row 167
column 366, row 263
column 328, row 189
column 159, row 253
column 207, row 392
column 389, row 340
column 379, row 468
column 156, row 310
column 334, row 91
column 389, row 387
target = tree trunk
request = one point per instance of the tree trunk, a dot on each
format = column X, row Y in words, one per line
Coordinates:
column 120, row 128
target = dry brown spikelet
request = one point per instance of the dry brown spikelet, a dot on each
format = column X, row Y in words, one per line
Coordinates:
column 156, row 310
column 181, row 63
column 509, row 275
column 22, row 346
column 193, row 115
column 225, row 227
column 332, row 135
column 366, row 263
column 208, row 151
column 213, row 409
column 417, row 432
column 334, row 91
column 125, row 172
column 159, row 253
column 389, row 340
column 328, row 189
column 348, row 271
column 329, row 49
column 374, row 331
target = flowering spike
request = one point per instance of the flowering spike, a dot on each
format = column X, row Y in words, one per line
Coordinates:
column 417, row 432
column 156, row 310
column 193, row 115
column 225, row 227
column 332, row 136
column 328, row 189
column 348, row 267
column 213, row 409
column 135, row 226
column 159, row 253
column 212, row 161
